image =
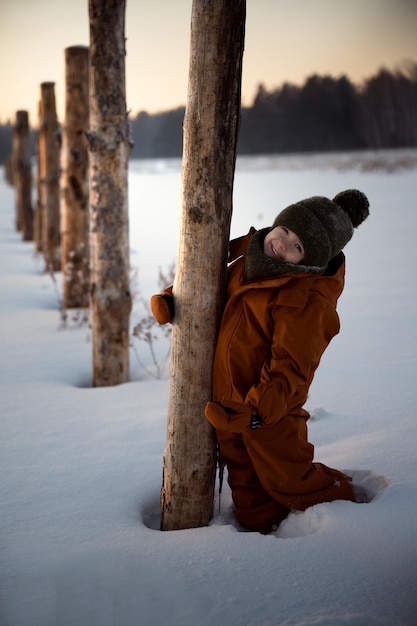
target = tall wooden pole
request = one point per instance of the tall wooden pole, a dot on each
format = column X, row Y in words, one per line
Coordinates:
column 37, row 217
column 109, row 147
column 74, row 179
column 210, row 141
column 22, row 173
column 49, row 149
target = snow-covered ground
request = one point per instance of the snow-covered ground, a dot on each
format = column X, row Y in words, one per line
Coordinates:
column 80, row 468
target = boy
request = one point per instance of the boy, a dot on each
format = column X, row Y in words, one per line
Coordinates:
column 280, row 315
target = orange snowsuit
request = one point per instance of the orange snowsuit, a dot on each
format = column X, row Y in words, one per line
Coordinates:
column 273, row 333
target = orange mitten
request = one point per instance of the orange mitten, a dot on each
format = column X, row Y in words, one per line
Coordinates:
column 162, row 306
column 234, row 417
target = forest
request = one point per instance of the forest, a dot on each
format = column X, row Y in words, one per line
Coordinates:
column 323, row 114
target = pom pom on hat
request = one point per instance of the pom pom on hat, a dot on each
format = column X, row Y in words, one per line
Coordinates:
column 355, row 204
column 324, row 226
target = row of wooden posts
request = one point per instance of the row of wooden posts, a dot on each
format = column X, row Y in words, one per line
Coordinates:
column 58, row 220
column 211, row 127
column 86, row 160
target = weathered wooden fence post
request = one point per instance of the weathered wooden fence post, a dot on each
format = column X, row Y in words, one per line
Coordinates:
column 75, row 183
column 49, row 148
column 210, row 142
column 22, row 175
column 37, row 217
column 109, row 147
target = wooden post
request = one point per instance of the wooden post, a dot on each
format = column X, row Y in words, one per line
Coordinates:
column 109, row 147
column 210, row 142
column 74, row 179
column 37, row 217
column 22, row 173
column 49, row 147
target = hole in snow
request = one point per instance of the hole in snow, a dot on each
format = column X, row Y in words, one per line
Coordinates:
column 367, row 485
column 151, row 514
column 84, row 383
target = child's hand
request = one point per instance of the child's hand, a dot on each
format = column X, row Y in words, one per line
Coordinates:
column 235, row 417
column 162, row 306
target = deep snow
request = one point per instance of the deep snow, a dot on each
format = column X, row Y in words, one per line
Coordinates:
column 80, row 468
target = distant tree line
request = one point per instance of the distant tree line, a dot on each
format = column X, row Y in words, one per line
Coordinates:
column 332, row 114
column 323, row 114
column 6, row 133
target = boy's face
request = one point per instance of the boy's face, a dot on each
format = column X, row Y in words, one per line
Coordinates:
column 283, row 245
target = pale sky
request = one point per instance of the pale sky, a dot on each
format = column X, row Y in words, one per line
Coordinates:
column 286, row 40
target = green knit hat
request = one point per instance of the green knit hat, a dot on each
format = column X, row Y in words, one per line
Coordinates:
column 324, row 226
